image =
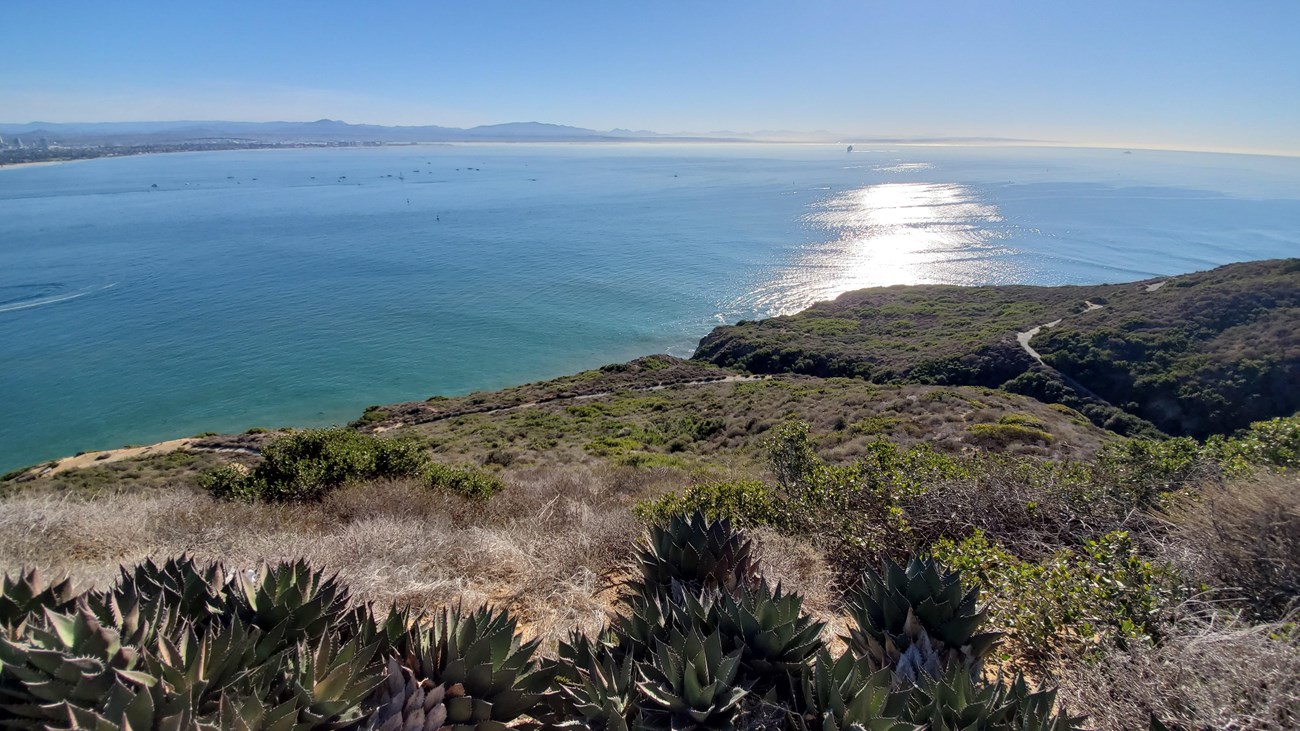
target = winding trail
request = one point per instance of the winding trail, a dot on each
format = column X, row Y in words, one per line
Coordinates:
column 1023, row 339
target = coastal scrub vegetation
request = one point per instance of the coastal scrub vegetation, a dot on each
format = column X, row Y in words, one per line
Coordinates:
column 1081, row 566
column 815, row 550
column 703, row 642
column 1194, row 355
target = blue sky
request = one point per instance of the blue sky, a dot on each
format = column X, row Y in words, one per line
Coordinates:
column 1182, row 74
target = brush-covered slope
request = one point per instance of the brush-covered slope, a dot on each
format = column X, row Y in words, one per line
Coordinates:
column 1195, row 354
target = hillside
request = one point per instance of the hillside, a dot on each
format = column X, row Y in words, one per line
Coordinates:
column 1194, row 355
column 1050, row 562
column 656, row 411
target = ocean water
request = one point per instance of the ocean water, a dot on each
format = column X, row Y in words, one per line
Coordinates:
column 152, row 297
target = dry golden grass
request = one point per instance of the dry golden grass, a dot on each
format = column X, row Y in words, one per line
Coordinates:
column 549, row 547
column 1207, row 675
column 555, row 547
column 1244, row 538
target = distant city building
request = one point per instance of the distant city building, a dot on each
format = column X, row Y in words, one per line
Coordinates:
column 18, row 142
column 43, row 144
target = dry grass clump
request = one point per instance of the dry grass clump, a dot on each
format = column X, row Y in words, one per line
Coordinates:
column 1243, row 536
column 1033, row 514
column 549, row 546
column 1204, row 675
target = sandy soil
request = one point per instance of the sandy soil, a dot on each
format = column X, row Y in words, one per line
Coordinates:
column 11, row 165
column 90, row 459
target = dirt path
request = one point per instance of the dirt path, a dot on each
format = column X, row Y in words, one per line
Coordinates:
column 1023, row 339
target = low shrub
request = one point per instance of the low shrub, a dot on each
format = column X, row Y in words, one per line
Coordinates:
column 309, row 464
column 1275, row 443
column 744, row 502
column 1022, row 420
column 466, row 482
column 1004, row 434
column 1074, row 598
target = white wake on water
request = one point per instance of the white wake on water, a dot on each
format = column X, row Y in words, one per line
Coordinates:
column 56, row 300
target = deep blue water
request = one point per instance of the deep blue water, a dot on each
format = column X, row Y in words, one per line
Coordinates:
column 296, row 287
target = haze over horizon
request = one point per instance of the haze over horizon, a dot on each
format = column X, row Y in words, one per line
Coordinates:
column 1184, row 75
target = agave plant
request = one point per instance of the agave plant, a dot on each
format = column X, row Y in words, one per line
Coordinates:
column 195, row 590
column 27, row 595
column 837, row 695
column 775, row 638
column 601, row 692
column 690, row 683
column 694, row 554
column 488, row 672
column 191, row 677
column 66, row 660
column 329, row 682
column 652, row 618
column 406, row 703
column 956, row 701
column 918, row 621
column 303, row 600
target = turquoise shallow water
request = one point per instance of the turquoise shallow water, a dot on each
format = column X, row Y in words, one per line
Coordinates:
column 296, row 287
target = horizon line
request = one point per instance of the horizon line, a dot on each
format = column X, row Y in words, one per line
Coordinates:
column 752, row 136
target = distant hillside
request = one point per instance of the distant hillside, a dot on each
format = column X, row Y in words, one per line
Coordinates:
column 1196, row 354
column 320, row 131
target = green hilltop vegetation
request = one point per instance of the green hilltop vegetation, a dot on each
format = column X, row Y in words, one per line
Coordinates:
column 881, row 513
column 1193, row 355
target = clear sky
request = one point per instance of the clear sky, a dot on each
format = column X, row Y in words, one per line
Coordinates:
column 1177, row 73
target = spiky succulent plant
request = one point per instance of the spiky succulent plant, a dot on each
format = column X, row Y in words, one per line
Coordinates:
column 154, row 600
column 598, row 689
column 775, row 638
column 187, row 680
column 653, row 618
column 690, row 683
column 917, row 621
column 956, row 701
column 488, row 671
column 29, row 594
column 837, row 695
column 194, row 592
column 329, row 682
column 66, row 659
column 406, row 703
column 293, row 594
column 694, row 554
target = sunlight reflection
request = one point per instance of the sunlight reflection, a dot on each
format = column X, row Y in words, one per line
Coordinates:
column 893, row 233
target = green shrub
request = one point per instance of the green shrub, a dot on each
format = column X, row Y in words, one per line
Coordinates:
column 1022, row 420
column 464, row 481
column 604, row 446
column 1004, row 434
column 371, row 415
column 744, row 502
column 1070, row 598
column 1141, row 470
column 227, row 482
column 1275, row 443
column 309, row 464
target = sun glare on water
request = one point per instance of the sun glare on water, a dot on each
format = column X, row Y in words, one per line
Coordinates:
column 891, row 233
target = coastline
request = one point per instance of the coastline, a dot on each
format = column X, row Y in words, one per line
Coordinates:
column 38, row 163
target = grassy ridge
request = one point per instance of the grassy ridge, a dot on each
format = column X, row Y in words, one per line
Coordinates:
column 1202, row 353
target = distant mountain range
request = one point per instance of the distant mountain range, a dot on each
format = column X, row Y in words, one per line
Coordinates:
column 323, row 130
column 330, row 130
